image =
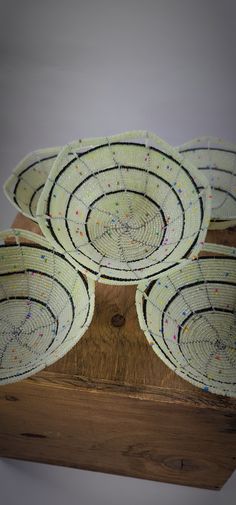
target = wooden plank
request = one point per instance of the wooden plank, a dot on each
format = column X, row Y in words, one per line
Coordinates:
column 117, row 434
column 111, row 405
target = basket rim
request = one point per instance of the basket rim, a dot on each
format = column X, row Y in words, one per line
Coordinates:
column 17, row 171
column 205, row 139
column 35, row 238
column 192, row 145
column 208, row 247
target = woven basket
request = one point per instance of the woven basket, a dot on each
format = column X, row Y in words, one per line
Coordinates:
column 24, row 186
column 26, row 182
column 217, row 160
column 45, row 307
column 125, row 210
column 188, row 317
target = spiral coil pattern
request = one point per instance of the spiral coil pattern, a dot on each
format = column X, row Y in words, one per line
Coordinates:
column 217, row 160
column 188, row 317
column 45, row 304
column 126, row 209
column 24, row 186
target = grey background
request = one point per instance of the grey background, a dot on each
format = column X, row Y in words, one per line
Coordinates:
column 74, row 69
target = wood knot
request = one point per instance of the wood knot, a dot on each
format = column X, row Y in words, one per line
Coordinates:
column 182, row 464
column 118, row 320
column 11, row 398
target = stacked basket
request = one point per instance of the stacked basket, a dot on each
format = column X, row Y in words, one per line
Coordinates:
column 124, row 209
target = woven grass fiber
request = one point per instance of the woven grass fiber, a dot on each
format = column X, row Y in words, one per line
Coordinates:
column 46, row 304
column 188, row 317
column 216, row 158
column 127, row 209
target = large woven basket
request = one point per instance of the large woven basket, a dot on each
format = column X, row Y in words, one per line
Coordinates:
column 45, row 305
column 188, row 317
column 217, row 160
column 26, row 182
column 125, row 210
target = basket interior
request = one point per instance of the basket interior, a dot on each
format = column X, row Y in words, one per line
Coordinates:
column 123, row 207
column 189, row 316
column 217, row 160
column 45, row 305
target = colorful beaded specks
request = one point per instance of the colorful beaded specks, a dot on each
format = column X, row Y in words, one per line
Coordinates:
column 25, row 184
column 126, row 209
column 189, row 316
column 45, row 305
column 216, row 159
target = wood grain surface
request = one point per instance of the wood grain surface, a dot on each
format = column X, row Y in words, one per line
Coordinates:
column 111, row 405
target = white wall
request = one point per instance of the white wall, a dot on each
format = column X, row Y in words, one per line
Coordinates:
column 72, row 69
column 35, row 484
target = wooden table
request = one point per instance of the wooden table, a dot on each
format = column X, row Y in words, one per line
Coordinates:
column 111, row 405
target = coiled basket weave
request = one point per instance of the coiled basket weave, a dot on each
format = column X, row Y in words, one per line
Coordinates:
column 24, row 186
column 46, row 305
column 188, row 317
column 127, row 209
column 26, row 182
column 216, row 158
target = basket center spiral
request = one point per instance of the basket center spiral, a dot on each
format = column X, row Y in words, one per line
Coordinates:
column 206, row 342
column 30, row 336
column 132, row 226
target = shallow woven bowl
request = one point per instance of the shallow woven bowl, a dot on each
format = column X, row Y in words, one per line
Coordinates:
column 125, row 210
column 188, row 317
column 217, row 160
column 24, row 186
column 26, row 182
column 45, row 305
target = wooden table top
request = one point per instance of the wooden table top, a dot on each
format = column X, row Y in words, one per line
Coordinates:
column 113, row 355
